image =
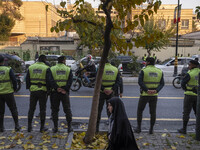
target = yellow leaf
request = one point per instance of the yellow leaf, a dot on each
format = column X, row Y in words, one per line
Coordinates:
column 164, row 135
column 44, row 147
column 31, row 146
column 182, row 136
column 35, row 125
column 62, row 124
column 54, row 146
column 19, row 142
column 146, row 144
column 30, row 137
column 23, row 127
column 36, row 122
column 47, row 123
column 2, row 143
column 2, row 137
column 1, row 147
column 173, row 147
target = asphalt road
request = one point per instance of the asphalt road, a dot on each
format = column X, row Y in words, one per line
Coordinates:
column 169, row 108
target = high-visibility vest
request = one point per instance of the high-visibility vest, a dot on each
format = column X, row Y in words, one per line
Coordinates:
column 109, row 76
column 38, row 76
column 193, row 82
column 6, row 86
column 144, row 58
column 60, row 74
column 151, row 79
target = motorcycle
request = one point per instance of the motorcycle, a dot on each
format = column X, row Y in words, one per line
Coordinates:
column 18, row 77
column 79, row 80
column 177, row 81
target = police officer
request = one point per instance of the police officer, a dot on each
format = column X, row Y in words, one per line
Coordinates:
column 63, row 77
column 39, row 80
column 151, row 82
column 189, row 84
column 110, row 80
column 119, row 87
column 8, row 85
column 144, row 58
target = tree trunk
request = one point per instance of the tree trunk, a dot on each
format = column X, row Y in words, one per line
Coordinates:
column 149, row 52
column 95, row 102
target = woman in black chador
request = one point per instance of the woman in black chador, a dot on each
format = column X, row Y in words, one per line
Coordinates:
column 120, row 133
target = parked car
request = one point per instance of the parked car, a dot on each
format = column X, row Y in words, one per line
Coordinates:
column 69, row 60
column 167, row 66
column 52, row 60
column 9, row 57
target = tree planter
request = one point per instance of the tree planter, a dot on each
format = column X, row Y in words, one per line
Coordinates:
column 75, row 141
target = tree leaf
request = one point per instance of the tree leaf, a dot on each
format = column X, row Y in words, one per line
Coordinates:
column 47, row 7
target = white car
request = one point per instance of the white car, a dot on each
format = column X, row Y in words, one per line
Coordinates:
column 167, row 66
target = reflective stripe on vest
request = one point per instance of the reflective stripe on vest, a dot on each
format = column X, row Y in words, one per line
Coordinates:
column 151, row 79
column 193, row 82
column 6, row 86
column 109, row 76
column 60, row 74
column 38, row 76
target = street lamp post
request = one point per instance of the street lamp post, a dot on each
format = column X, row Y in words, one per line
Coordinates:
column 176, row 52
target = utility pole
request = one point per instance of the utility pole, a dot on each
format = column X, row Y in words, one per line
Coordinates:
column 198, row 112
column 176, row 52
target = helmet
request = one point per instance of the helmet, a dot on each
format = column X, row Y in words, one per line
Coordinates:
column 89, row 57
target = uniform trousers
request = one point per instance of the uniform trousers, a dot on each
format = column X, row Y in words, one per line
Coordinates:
column 190, row 102
column 36, row 96
column 10, row 101
column 152, row 100
column 55, row 99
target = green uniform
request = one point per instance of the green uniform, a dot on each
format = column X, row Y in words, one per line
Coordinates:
column 61, row 74
column 109, row 78
column 152, row 77
column 5, row 82
column 193, row 83
column 38, row 76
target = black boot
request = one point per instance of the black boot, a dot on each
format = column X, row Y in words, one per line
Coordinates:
column 17, row 126
column 138, row 128
column 42, row 127
column 29, row 125
column 55, row 129
column 184, row 129
column 151, row 130
column 1, row 125
column 70, row 129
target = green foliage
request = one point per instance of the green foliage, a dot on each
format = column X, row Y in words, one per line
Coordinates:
column 91, row 27
column 15, row 65
column 153, row 36
column 197, row 11
column 134, row 66
column 6, row 25
column 11, row 8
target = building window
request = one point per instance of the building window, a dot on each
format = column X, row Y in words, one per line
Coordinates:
column 185, row 24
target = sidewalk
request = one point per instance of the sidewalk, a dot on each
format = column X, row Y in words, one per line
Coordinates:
column 46, row 141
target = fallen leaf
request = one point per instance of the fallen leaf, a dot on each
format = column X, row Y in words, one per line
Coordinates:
column 2, row 143
column 146, row 144
column 164, row 135
column 173, row 147
column 2, row 137
column 47, row 123
column 19, row 142
column 54, row 146
column 36, row 122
